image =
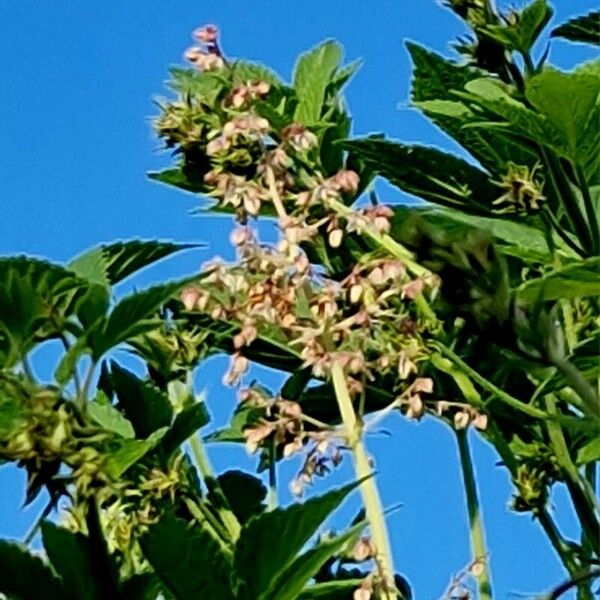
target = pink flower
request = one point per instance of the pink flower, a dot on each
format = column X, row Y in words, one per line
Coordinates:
column 207, row 34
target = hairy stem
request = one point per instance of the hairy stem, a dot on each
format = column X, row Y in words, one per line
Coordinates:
column 201, row 458
column 478, row 545
column 363, row 469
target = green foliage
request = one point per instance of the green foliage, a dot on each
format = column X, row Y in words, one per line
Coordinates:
column 584, row 29
column 428, row 173
column 526, row 26
column 24, row 576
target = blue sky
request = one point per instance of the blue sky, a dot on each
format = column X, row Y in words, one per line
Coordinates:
column 75, row 144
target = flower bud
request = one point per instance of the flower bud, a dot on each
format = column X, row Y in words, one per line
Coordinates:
column 461, row 420
column 189, row 297
column 335, row 238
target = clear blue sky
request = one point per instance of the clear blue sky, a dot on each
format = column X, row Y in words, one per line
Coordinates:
column 75, row 144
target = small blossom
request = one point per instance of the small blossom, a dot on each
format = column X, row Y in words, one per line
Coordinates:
column 218, row 145
column 189, row 297
column 412, row 289
column 209, row 62
column 363, row 549
column 335, row 238
column 193, row 54
column 480, row 422
column 346, row 181
column 299, row 137
column 259, row 88
column 207, row 34
column 461, row 420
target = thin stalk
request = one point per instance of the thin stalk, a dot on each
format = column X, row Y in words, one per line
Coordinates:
column 476, row 528
column 272, row 494
column 583, row 502
column 207, row 519
column 364, row 471
column 202, row 462
column 490, row 387
column 582, row 577
column 275, row 197
column 579, row 384
column 85, row 388
column 76, row 378
column 27, row 369
column 38, row 523
column 590, row 210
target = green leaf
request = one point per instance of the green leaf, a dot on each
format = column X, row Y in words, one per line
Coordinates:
column 245, row 494
column 269, row 542
column 293, row 580
column 569, row 102
column 313, row 73
column 331, row 590
column 435, row 79
column 578, row 280
column 186, row 423
column 36, row 297
column 71, row 557
column 188, row 561
column 109, row 264
column 128, row 452
column 522, row 35
column 201, row 86
column 585, row 29
column 428, row 173
column 24, row 576
column 110, row 419
column 142, row 403
column 590, row 452
column 143, row 586
column 132, row 316
column 247, row 71
column 177, row 178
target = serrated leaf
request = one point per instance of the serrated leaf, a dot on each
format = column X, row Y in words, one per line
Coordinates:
column 435, row 78
column 142, row 403
column 127, row 452
column 188, row 561
column 577, row 280
column 186, row 424
column 569, row 101
column 585, row 28
column 191, row 82
column 245, row 494
column 24, row 576
column 292, row 581
column 428, row 173
column 246, row 71
column 313, row 73
column 132, row 316
column 36, row 297
column 109, row 264
column 522, row 35
column 71, row 557
column 110, row 419
column 269, row 542
column 177, row 178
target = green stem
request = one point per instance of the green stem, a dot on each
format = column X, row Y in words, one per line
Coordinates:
column 207, row 519
column 272, row 495
column 490, row 387
column 364, row 472
column 38, row 522
column 590, row 210
column 584, row 504
column 202, row 462
column 85, row 388
column 478, row 545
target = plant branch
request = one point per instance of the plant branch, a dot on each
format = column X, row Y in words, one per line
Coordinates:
column 202, row 462
column 571, row 583
column 584, row 504
column 364, row 472
column 476, row 528
column 490, row 387
column 272, row 495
